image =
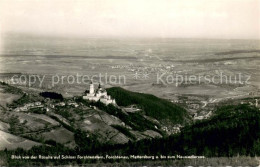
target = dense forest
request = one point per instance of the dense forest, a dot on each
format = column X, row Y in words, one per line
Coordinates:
column 152, row 106
column 232, row 131
column 52, row 95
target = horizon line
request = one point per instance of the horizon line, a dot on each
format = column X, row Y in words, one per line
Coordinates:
column 71, row 36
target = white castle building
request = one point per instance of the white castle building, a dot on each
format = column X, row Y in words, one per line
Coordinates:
column 99, row 94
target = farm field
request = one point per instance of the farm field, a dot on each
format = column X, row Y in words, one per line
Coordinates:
column 10, row 142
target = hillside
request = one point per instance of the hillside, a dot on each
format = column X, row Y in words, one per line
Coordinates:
column 153, row 106
column 47, row 117
column 234, row 130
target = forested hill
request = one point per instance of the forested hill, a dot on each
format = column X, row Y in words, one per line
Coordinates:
column 152, row 106
column 234, row 130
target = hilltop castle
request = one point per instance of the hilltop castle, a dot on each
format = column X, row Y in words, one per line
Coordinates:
column 99, row 94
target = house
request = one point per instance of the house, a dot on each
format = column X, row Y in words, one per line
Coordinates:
column 199, row 118
column 28, row 105
column 24, row 108
column 37, row 103
column 73, row 104
column 52, row 106
column 132, row 108
column 61, row 104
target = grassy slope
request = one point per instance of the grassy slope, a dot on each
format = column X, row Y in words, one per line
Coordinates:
column 152, row 106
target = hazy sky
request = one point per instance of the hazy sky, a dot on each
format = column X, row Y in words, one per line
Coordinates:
column 133, row 18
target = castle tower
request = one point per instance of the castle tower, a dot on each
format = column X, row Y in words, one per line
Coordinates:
column 91, row 88
column 99, row 86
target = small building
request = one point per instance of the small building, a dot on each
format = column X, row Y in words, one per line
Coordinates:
column 61, row 104
column 37, row 103
column 17, row 109
column 73, row 104
column 132, row 108
column 24, row 108
column 28, row 105
column 198, row 118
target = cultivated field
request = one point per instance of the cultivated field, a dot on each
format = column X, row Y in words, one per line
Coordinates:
column 11, row 142
column 7, row 98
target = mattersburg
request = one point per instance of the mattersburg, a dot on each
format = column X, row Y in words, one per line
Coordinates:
column 141, row 157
